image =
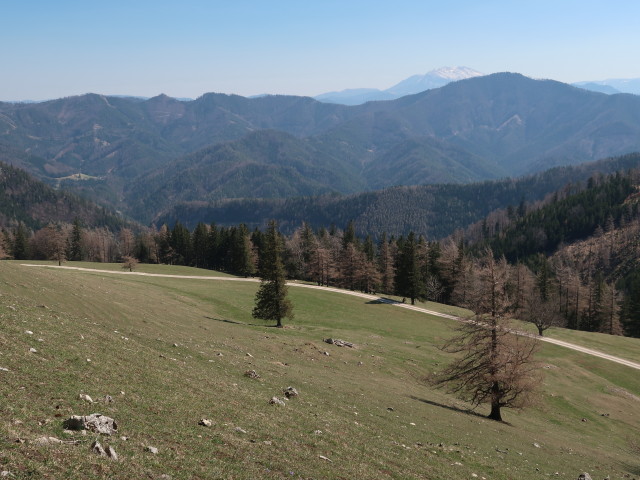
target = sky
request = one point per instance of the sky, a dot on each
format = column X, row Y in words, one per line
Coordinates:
column 52, row 49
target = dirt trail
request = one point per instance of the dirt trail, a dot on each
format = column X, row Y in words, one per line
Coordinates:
column 560, row 343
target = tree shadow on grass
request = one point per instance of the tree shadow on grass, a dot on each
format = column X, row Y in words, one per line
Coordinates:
column 224, row 320
column 448, row 407
column 382, row 301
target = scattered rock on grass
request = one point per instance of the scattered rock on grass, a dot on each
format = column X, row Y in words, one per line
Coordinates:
column 205, row 422
column 95, row 422
column 151, row 449
column 47, row 441
column 240, row 430
column 251, row 374
column 111, row 453
column 584, row 476
column 290, row 392
column 338, row 343
column 6, row 473
column 85, row 397
column 33, row 350
column 98, row 449
column 3, row 369
column 277, row 401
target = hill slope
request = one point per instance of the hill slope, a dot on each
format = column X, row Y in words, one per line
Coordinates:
column 154, row 346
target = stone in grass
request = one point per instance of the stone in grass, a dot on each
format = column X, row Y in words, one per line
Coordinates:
column 205, row 422
column 98, row 449
column 290, row 392
column 85, row 397
column 41, row 441
column 277, row 401
column 251, row 374
column 584, row 476
column 95, row 422
column 151, row 449
column 111, row 453
column 6, row 473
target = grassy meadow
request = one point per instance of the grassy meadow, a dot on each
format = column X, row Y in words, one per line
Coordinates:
column 173, row 351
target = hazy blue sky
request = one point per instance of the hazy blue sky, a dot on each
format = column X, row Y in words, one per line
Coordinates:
column 185, row 48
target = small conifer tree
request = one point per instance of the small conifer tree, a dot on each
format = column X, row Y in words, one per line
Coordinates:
column 272, row 303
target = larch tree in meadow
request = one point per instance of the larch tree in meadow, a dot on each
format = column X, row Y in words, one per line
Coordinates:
column 272, row 303
column 57, row 244
column 495, row 366
column 386, row 267
column 129, row 263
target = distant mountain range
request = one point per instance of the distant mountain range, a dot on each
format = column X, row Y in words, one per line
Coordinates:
column 442, row 76
column 612, row 86
column 144, row 157
column 415, row 84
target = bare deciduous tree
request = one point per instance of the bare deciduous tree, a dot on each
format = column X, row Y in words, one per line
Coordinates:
column 542, row 313
column 129, row 263
column 496, row 366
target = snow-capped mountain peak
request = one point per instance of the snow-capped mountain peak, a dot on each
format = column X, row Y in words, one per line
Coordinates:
column 433, row 79
column 415, row 84
column 454, row 73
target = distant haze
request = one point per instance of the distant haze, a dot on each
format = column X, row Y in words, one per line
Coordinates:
column 185, row 49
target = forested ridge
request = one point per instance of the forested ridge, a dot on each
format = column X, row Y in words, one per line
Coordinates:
column 434, row 211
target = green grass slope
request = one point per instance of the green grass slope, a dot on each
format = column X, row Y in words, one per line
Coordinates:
column 172, row 351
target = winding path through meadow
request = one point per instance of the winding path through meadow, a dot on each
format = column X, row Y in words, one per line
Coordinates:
column 560, row 343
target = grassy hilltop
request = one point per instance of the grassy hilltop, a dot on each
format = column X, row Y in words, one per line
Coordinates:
column 173, row 351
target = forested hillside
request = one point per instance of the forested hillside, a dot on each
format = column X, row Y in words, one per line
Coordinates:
column 434, row 211
column 583, row 243
column 26, row 200
column 131, row 153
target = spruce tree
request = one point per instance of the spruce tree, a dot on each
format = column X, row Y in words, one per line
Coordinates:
column 272, row 303
column 409, row 279
column 20, row 243
column 75, row 242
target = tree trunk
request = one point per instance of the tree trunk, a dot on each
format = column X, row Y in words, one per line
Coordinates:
column 540, row 331
column 495, row 412
column 279, row 324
